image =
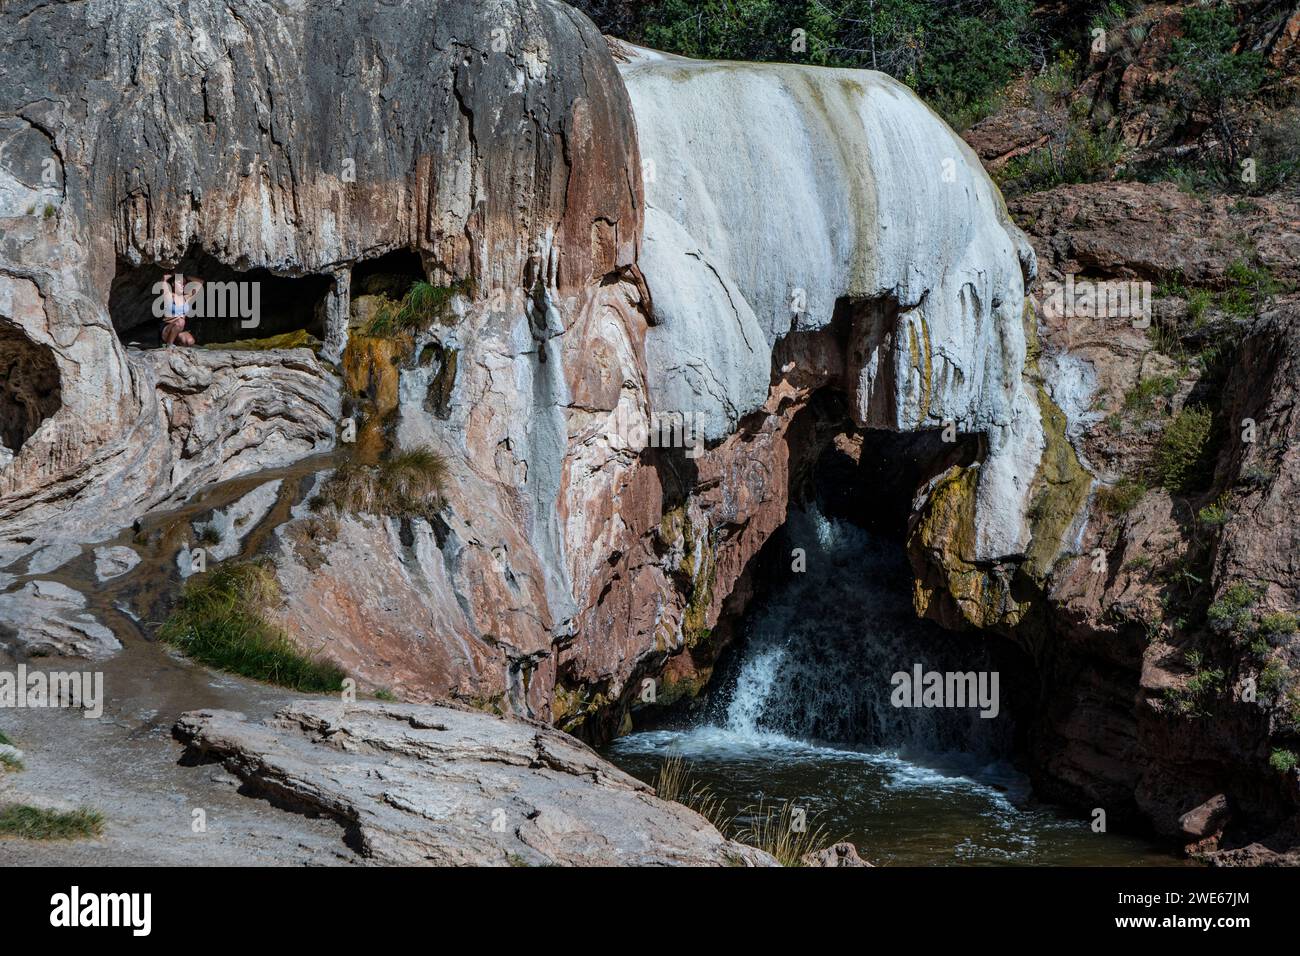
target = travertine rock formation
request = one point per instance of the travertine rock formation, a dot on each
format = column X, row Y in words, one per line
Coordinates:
column 295, row 138
column 579, row 551
column 675, row 284
column 574, row 556
column 779, row 191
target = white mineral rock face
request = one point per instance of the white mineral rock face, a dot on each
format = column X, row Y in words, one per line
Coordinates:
column 774, row 192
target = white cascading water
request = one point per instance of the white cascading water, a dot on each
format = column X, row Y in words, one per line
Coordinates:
column 820, row 649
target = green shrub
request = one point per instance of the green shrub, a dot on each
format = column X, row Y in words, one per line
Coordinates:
column 1278, row 625
column 963, row 52
column 1182, row 459
column 421, row 307
column 34, row 823
column 1197, row 305
column 220, row 621
column 407, row 484
column 1121, row 497
column 1214, row 81
column 1272, row 677
column 1143, row 395
column 1194, row 697
column 1215, row 515
column 1230, row 614
column 1282, row 760
column 1249, row 289
column 1080, row 155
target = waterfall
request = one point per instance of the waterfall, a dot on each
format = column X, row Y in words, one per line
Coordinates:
column 819, row 649
column 802, row 713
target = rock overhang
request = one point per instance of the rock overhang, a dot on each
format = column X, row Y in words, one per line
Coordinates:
column 775, row 192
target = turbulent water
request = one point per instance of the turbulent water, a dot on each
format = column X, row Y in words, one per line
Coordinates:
column 803, row 713
column 820, row 652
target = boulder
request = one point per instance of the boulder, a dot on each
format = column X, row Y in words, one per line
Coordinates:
column 840, row 854
column 42, row 618
column 432, row 785
column 1206, row 820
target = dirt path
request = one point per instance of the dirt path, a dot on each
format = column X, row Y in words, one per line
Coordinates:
column 125, row 765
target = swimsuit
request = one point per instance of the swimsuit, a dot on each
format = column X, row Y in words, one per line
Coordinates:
column 176, row 309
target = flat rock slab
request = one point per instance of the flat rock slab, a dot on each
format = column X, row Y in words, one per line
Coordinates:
column 113, row 562
column 46, row 617
column 427, row 784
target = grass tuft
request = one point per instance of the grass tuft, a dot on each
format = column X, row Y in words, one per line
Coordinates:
column 1142, row 397
column 1231, row 614
column 1197, row 697
column 1182, row 458
column 672, row 783
column 409, row 483
column 422, row 306
column 1283, row 760
column 773, row 830
column 1121, row 497
column 219, row 622
column 34, row 823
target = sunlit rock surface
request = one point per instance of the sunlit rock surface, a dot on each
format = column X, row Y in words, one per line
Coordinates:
column 716, row 242
column 414, row 784
column 298, row 138
column 776, row 192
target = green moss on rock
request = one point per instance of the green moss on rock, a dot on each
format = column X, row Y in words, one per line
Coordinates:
column 945, row 532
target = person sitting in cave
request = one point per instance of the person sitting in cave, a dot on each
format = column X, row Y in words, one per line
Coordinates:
column 178, row 300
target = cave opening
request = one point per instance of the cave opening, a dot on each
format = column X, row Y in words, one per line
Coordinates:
column 231, row 306
column 378, row 282
column 391, row 274
column 823, row 616
column 30, row 387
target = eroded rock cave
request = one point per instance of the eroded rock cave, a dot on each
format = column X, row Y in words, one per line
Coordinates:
column 237, row 304
column 30, row 390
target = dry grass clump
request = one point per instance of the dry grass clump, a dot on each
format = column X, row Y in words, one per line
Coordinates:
column 773, row 830
column 408, row 483
column 35, row 823
column 673, row 783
